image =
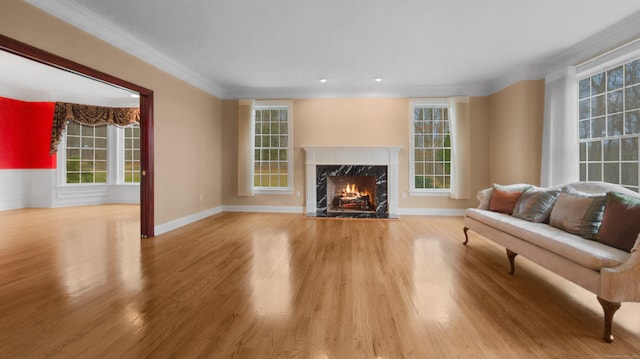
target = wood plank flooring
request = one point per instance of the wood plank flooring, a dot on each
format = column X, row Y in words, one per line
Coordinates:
column 80, row 283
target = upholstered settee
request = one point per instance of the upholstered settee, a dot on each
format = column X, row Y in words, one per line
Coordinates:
column 586, row 232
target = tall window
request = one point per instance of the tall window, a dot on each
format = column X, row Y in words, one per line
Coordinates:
column 609, row 125
column 430, row 155
column 131, row 165
column 86, row 153
column 272, row 159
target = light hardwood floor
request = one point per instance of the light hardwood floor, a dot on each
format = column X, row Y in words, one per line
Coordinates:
column 80, row 283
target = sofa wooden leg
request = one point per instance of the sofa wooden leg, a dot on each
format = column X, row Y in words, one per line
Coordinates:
column 610, row 309
column 466, row 237
column 512, row 256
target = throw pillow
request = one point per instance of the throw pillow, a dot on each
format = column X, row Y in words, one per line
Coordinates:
column 621, row 221
column 535, row 206
column 484, row 196
column 504, row 199
column 578, row 212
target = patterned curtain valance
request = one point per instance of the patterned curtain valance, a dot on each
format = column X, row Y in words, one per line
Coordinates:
column 89, row 115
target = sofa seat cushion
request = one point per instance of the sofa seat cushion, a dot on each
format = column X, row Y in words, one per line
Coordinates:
column 590, row 254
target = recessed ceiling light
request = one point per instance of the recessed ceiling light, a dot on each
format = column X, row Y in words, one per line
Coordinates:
column 378, row 79
column 323, row 80
column 135, row 95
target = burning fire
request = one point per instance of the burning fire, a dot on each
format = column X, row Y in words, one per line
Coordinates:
column 351, row 191
column 351, row 198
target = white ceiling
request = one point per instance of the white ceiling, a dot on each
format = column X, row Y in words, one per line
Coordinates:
column 28, row 80
column 281, row 48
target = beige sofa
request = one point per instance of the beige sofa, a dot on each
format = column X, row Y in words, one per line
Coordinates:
column 612, row 274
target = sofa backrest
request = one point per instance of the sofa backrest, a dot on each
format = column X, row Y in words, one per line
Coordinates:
column 601, row 187
column 587, row 187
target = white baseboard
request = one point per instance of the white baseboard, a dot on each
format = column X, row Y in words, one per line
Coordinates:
column 177, row 223
column 9, row 204
column 294, row 209
column 268, row 209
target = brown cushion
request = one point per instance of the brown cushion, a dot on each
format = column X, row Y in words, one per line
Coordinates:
column 621, row 221
column 504, row 200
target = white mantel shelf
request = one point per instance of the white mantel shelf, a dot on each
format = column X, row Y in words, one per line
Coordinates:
column 352, row 155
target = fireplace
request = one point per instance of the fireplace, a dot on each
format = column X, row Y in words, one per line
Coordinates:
column 351, row 181
column 351, row 194
column 351, row 191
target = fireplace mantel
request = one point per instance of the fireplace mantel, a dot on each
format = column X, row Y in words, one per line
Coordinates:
column 351, row 155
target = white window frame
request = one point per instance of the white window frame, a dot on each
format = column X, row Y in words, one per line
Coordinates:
column 115, row 161
column 62, row 163
column 424, row 102
column 275, row 103
column 593, row 67
column 120, row 160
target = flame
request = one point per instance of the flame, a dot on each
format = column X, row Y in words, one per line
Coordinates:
column 351, row 190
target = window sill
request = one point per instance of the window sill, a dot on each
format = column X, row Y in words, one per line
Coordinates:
column 446, row 193
column 273, row 191
column 90, row 185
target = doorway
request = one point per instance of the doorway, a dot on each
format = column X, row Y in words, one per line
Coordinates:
column 146, row 118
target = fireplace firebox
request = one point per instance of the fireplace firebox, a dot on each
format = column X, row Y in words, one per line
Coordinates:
column 352, row 191
column 356, row 194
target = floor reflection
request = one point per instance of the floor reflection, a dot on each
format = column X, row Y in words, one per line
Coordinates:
column 128, row 254
column 432, row 282
column 82, row 263
column 270, row 274
column 111, row 258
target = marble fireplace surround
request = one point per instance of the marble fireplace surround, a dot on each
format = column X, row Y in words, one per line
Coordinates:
column 351, row 155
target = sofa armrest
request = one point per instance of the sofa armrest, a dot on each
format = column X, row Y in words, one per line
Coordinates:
column 484, row 196
column 622, row 283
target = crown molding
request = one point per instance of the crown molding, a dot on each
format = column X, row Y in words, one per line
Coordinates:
column 88, row 21
column 624, row 31
column 355, row 92
column 616, row 35
column 521, row 73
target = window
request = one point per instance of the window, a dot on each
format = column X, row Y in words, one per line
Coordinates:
column 430, row 155
column 131, row 161
column 86, row 154
column 609, row 125
column 100, row 155
column 272, row 151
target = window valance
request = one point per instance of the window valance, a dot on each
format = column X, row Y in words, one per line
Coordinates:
column 89, row 115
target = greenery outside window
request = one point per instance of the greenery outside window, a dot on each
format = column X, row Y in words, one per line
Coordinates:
column 609, row 125
column 430, row 153
column 272, row 150
column 86, row 154
column 131, row 162
column 106, row 155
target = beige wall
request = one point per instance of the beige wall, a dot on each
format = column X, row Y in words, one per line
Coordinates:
column 515, row 133
column 357, row 122
column 187, row 120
